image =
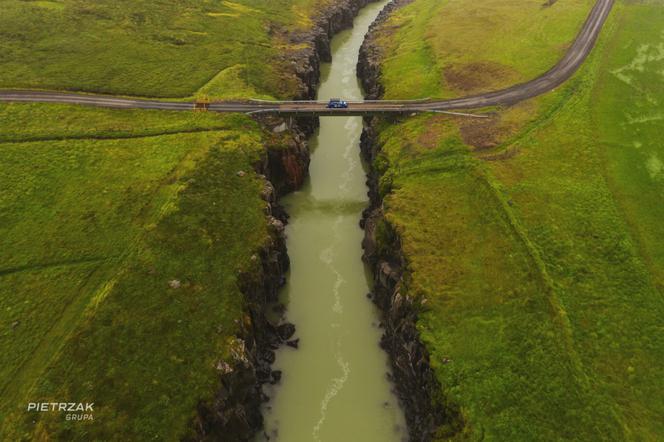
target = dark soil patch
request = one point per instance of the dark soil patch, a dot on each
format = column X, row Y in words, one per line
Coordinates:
column 481, row 134
column 485, row 134
column 478, row 76
column 430, row 137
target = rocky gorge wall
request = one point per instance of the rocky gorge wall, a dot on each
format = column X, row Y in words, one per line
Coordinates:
column 234, row 412
column 335, row 17
column 427, row 415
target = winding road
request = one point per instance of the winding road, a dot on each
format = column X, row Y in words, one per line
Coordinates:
column 562, row 71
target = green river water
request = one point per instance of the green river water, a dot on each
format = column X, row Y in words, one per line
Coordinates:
column 334, row 387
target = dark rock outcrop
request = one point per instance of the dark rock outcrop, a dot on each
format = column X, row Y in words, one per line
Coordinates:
column 287, row 156
column 286, row 331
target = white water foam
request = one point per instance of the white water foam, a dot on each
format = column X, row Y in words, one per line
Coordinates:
column 327, row 257
column 334, row 389
column 349, row 156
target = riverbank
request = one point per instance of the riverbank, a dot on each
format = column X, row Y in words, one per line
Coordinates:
column 428, row 414
column 427, row 411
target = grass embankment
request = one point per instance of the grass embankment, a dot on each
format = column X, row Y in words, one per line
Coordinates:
column 147, row 48
column 534, row 240
column 50, row 122
column 100, row 209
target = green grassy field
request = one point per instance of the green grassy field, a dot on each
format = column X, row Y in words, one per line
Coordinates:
column 628, row 118
column 93, row 231
column 100, row 209
column 151, row 48
column 534, row 240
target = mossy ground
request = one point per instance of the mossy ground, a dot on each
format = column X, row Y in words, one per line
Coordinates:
column 533, row 242
column 101, row 208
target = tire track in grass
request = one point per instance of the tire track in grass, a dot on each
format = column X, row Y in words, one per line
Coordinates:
column 17, row 390
column 46, row 265
column 98, row 284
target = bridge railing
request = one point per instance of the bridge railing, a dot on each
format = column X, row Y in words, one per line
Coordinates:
column 277, row 102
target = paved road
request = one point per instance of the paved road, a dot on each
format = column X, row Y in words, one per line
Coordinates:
column 562, row 71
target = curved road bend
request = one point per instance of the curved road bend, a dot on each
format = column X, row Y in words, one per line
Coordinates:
column 562, row 71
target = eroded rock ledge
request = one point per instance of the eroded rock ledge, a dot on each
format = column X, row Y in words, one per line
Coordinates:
column 427, row 414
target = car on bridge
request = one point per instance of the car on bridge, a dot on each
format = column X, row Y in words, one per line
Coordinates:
column 337, row 103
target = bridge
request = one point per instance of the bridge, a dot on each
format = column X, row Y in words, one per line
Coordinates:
column 562, row 71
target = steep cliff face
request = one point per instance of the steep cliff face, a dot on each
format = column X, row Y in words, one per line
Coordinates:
column 234, row 412
column 427, row 414
column 287, row 160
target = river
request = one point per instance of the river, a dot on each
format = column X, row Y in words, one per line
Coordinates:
column 335, row 386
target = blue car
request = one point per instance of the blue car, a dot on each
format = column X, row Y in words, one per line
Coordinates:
column 336, row 103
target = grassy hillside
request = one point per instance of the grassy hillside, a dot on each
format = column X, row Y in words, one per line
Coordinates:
column 93, row 231
column 144, row 351
column 455, row 47
column 533, row 238
column 101, row 210
column 151, row 47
